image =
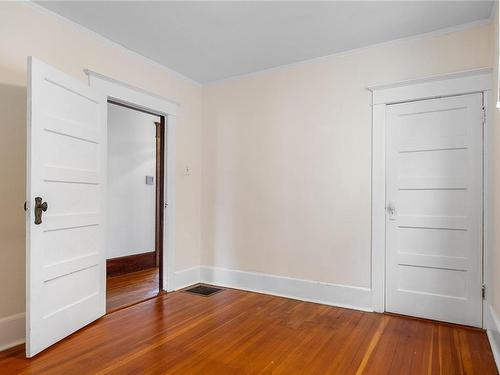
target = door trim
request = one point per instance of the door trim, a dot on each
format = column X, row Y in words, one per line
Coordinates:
column 140, row 99
column 459, row 83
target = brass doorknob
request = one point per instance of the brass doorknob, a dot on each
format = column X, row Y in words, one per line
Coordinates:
column 39, row 208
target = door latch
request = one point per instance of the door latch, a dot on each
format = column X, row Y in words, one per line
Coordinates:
column 39, row 209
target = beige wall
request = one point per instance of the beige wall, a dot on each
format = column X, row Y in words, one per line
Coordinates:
column 287, row 157
column 28, row 31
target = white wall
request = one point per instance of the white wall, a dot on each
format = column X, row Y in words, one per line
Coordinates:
column 287, row 157
column 131, row 203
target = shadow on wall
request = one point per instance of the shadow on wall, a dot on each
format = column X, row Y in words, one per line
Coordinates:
column 12, row 196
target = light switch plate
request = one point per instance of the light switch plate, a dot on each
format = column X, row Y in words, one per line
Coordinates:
column 150, row 180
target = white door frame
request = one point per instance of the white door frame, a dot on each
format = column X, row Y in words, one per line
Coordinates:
column 135, row 97
column 473, row 81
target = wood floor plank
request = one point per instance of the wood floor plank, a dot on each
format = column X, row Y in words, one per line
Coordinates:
column 237, row 332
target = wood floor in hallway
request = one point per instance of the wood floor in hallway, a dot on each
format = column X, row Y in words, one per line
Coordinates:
column 237, row 332
column 127, row 289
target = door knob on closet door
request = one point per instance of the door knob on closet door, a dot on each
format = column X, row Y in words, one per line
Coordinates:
column 391, row 211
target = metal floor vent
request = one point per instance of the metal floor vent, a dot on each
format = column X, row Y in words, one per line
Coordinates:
column 204, row 290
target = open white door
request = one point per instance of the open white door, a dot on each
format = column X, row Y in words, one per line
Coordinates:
column 66, row 169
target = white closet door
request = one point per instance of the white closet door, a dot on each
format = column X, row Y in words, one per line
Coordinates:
column 434, row 209
column 66, row 176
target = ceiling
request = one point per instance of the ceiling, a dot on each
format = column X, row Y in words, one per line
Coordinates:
column 210, row 41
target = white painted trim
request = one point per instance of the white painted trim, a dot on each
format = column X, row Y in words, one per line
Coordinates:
column 448, row 30
column 432, row 86
column 127, row 94
column 102, row 38
column 378, row 208
column 457, row 83
column 138, row 98
column 493, row 332
column 169, row 212
column 187, row 277
column 305, row 290
column 431, row 78
column 12, row 330
column 487, row 201
column 346, row 296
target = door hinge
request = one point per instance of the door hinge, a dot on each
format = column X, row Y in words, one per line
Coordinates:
column 483, row 291
column 484, row 115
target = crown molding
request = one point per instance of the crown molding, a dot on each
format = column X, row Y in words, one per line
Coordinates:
column 439, row 32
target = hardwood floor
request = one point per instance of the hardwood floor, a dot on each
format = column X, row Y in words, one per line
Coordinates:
column 130, row 288
column 237, row 332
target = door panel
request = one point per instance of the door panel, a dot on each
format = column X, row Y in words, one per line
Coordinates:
column 434, row 199
column 67, row 169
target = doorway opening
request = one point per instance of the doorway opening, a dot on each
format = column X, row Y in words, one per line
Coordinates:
column 135, row 204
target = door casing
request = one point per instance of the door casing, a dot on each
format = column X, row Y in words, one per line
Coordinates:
column 122, row 93
column 459, row 83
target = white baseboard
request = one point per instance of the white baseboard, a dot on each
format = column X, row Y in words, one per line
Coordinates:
column 305, row 290
column 493, row 331
column 12, row 329
column 186, row 277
